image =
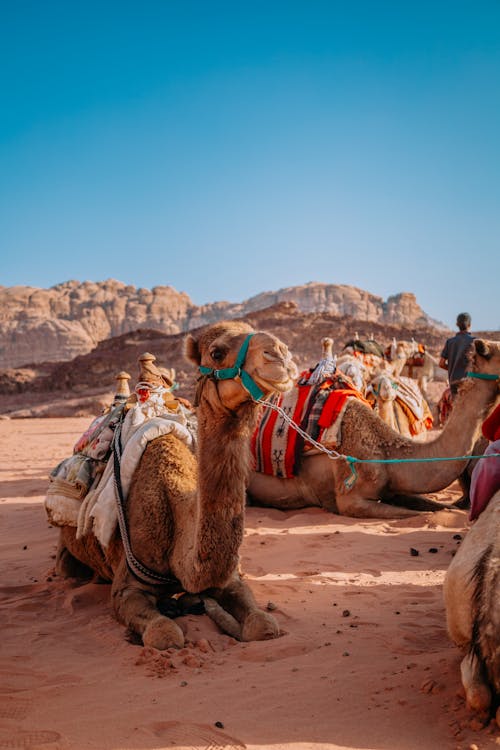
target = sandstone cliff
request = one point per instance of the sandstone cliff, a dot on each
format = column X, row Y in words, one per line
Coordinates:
column 70, row 319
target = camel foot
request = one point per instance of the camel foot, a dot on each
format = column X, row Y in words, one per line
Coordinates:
column 162, row 633
column 259, row 626
column 477, row 693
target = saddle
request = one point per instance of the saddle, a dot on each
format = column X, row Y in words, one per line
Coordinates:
column 316, row 408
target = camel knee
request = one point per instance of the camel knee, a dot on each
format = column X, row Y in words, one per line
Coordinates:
column 259, row 626
column 162, row 633
column 477, row 691
column 134, row 607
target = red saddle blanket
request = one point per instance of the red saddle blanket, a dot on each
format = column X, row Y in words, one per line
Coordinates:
column 276, row 446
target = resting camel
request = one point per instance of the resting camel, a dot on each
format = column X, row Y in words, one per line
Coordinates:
column 388, row 394
column 472, row 599
column 388, row 490
column 185, row 517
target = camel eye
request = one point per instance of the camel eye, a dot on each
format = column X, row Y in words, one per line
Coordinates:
column 217, row 355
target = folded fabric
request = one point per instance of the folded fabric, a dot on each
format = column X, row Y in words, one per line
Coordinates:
column 101, row 511
column 69, row 483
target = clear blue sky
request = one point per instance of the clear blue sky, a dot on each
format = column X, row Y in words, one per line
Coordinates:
column 229, row 148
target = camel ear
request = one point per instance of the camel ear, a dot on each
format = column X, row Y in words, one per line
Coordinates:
column 191, row 350
column 482, row 348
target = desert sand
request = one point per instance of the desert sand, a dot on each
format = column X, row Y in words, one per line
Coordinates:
column 364, row 660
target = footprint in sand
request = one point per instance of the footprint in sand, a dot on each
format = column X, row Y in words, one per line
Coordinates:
column 414, row 641
column 185, row 735
column 257, row 651
column 13, row 708
column 32, row 740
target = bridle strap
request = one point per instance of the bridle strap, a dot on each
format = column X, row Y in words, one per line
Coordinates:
column 229, row 373
column 482, row 376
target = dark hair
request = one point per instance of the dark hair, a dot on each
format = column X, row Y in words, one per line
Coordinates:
column 463, row 321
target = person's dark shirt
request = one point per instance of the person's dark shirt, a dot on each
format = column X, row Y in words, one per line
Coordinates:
column 455, row 352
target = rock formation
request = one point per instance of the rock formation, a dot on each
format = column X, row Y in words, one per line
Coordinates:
column 70, row 319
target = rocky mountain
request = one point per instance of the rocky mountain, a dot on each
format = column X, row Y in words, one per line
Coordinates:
column 71, row 319
column 85, row 384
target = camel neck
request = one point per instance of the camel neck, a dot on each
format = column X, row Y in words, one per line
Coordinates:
column 217, row 526
column 474, row 401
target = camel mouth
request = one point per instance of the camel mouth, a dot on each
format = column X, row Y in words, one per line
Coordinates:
column 277, row 384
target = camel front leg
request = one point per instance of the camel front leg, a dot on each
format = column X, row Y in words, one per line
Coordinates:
column 236, row 612
column 358, row 506
column 135, row 607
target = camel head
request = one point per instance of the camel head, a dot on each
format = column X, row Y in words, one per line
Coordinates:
column 484, row 360
column 354, row 369
column 384, row 388
column 243, row 365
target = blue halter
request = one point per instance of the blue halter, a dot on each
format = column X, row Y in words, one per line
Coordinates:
column 229, row 373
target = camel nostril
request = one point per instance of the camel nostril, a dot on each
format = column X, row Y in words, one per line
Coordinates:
column 273, row 356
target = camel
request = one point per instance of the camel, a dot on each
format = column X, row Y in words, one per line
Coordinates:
column 392, row 398
column 185, row 514
column 358, row 367
column 407, row 359
column 355, row 370
column 472, row 598
column 388, row 490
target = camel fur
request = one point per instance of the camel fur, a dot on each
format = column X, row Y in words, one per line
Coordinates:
column 185, row 514
column 472, row 599
column 388, row 490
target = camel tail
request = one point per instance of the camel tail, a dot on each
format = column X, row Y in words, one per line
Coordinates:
column 485, row 642
column 226, row 622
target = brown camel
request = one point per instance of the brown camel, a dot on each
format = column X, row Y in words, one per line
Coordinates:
column 472, row 598
column 185, row 517
column 388, row 490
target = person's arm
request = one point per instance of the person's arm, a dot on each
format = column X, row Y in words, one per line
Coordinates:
column 443, row 359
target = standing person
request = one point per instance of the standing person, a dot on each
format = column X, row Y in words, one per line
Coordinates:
column 454, row 354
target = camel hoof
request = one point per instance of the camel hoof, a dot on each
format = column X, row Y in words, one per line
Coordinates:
column 478, row 698
column 477, row 692
column 259, row 626
column 162, row 633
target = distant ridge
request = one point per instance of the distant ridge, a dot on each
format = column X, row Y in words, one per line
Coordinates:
column 70, row 319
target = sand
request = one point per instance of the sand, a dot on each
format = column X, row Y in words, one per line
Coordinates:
column 364, row 660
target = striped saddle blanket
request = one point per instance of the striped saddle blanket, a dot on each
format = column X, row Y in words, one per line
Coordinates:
column 277, row 447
